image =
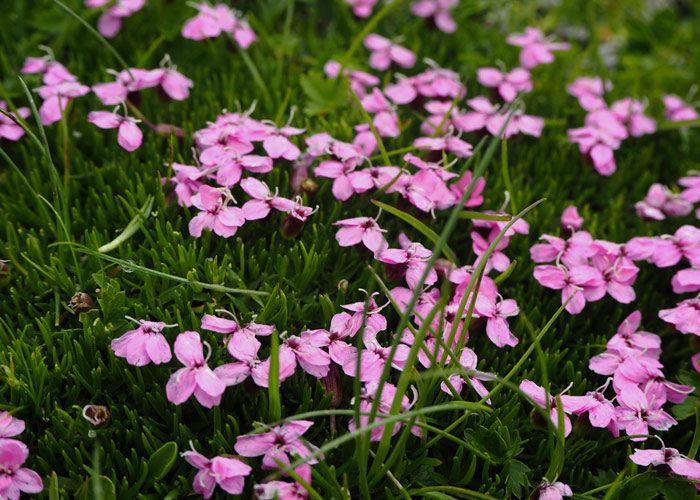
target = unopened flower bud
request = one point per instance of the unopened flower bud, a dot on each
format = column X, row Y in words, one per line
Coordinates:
column 309, row 186
column 80, row 302
column 4, row 273
column 333, row 386
column 97, row 415
column 292, row 226
column 343, row 285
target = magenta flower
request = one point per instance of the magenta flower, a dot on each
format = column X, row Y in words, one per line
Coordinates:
column 483, row 112
column 343, row 325
column 475, row 198
column 629, row 339
column 496, row 313
column 553, row 491
column 129, row 135
column 691, row 183
column 671, row 457
column 216, row 215
column 677, row 110
column 601, row 412
column 365, row 139
column 374, row 321
column 508, row 84
column 359, row 80
column 636, row 413
column 14, row 478
column 439, row 10
column 384, row 51
column 685, row 316
column 571, row 220
column 367, row 396
column 226, row 472
column 278, row 444
column 372, row 358
column 306, row 349
column 263, row 200
column 449, row 143
column 244, row 348
column 402, row 92
column 586, row 280
column 361, row 230
column 196, row 377
column 361, row 8
column 497, row 260
column 146, row 344
column 8, row 128
column 536, row 49
column 686, row 280
column 570, row 404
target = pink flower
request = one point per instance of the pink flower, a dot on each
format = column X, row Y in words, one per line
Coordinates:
column 110, row 22
column 244, row 348
column 216, row 215
column 519, row 124
column 601, row 412
column 477, row 119
column 187, row 182
column 56, row 98
column 629, row 339
column 661, row 201
column 589, row 91
column 361, row 8
column 619, row 273
column 263, row 200
column 211, row 21
column 227, row 472
column 553, row 491
column 468, row 361
column 343, row 325
column 677, row 110
column 176, row 85
column 372, row 358
column 14, row 478
column 671, row 457
column 449, row 143
column 411, row 260
column 496, row 313
column 384, row 51
column 347, row 181
column 497, row 260
column 685, row 316
column 278, row 444
column 144, row 345
column 691, row 183
column 439, row 83
column 9, row 426
column 685, row 242
column 536, row 49
column 365, row 139
column 636, row 413
column 686, row 280
column 369, row 393
column 196, row 377
column 508, row 84
column 374, row 321
column 361, row 230
column 278, row 145
column 306, row 350
column 385, row 120
column 475, row 198
column 402, row 92
column 571, row 220
column 359, row 80
column 570, row 404
column 631, row 112
column 129, row 135
column 8, row 128
column 439, row 10
column 586, row 280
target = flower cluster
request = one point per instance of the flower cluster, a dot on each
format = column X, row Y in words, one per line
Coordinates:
column 605, row 127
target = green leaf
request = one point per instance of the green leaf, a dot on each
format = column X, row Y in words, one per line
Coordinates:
column 97, row 488
column 516, row 477
column 162, row 461
column 487, row 441
column 53, row 487
column 418, row 225
column 678, row 490
column 686, row 409
column 324, row 95
column 644, row 486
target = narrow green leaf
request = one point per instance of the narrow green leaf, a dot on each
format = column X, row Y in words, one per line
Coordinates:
column 162, row 460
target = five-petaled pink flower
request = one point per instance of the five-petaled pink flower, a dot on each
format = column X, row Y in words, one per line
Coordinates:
column 536, row 49
column 216, row 214
column 508, row 84
column 14, row 478
column 146, row 344
column 439, row 10
column 361, row 230
column 384, row 51
column 226, row 472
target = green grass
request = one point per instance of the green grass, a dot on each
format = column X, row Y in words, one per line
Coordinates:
column 54, row 362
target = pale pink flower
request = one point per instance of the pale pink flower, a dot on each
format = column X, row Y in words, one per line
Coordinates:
column 216, row 214
column 439, row 83
column 691, row 183
column 129, row 135
column 536, row 49
column 110, row 22
column 384, row 51
column 483, row 112
column 670, row 249
column 372, row 358
column 9, row 426
column 278, row 145
column 14, row 478
column 385, row 120
column 244, row 348
column 631, row 112
column 211, row 21
column 468, row 361
column 495, row 313
column 661, row 201
column 374, row 321
column 686, row 280
column 8, row 128
column 553, row 491
column 508, row 84
column 187, row 181
column 584, row 279
column 497, row 260
column 671, row 457
column 571, row 220
column 636, row 413
column 196, row 377
column 448, row 143
column 402, row 92
column 475, row 198
column 263, row 200
column 365, row 139
column 629, row 338
column 146, row 344
column 343, row 325
column 410, row 260
column 439, row 10
column 589, row 91
column 226, row 472
column 56, row 98
column 367, row 396
column 347, row 180
column 361, row 8
column 685, row 316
